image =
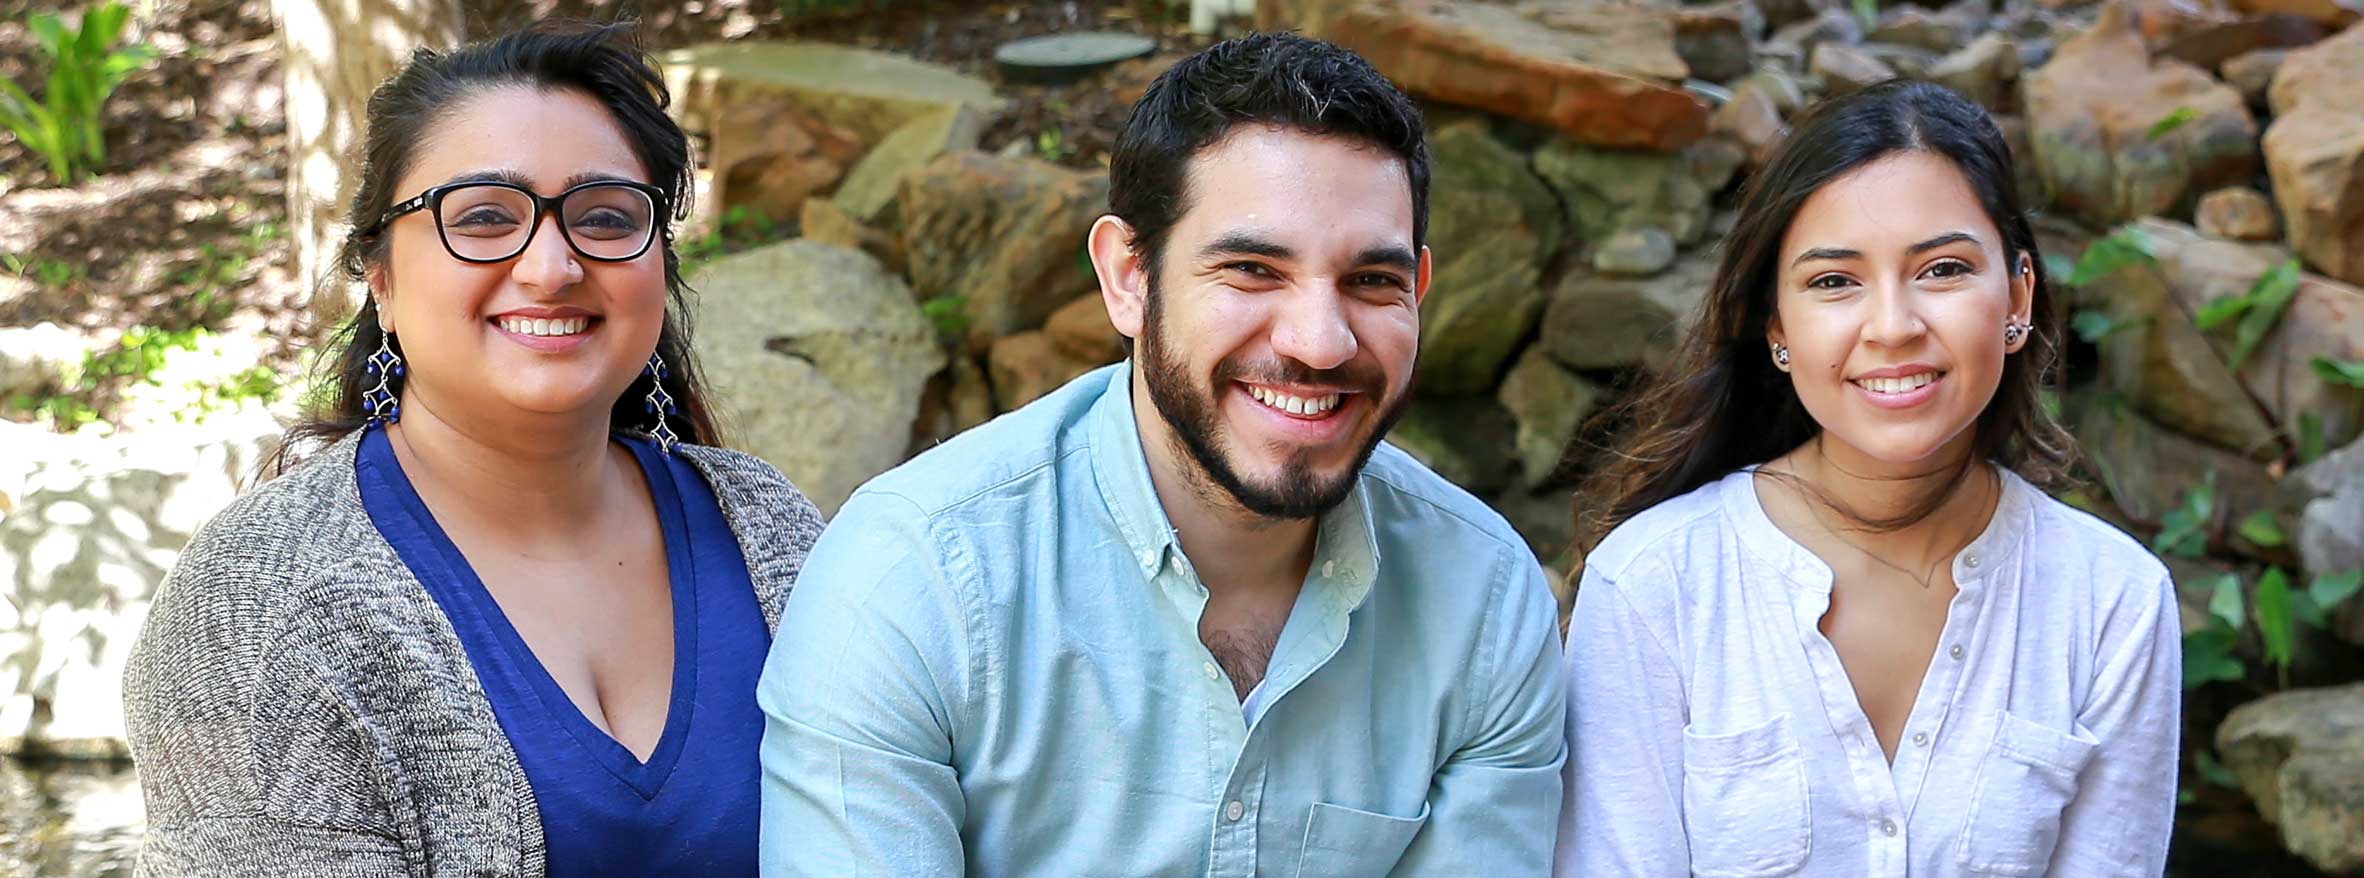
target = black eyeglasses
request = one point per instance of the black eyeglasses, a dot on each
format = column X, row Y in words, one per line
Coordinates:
column 604, row 220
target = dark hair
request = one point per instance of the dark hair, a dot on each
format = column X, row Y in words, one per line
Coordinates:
column 1284, row 80
column 1721, row 405
column 601, row 61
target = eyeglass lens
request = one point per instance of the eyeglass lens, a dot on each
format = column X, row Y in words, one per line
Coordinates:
column 490, row 222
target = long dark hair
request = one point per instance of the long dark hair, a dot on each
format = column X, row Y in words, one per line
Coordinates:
column 602, row 61
column 1721, row 405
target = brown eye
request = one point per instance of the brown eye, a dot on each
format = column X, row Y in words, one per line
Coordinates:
column 1949, row 268
column 1830, row 282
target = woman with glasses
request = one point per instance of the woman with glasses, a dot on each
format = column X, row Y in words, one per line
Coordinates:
column 506, row 617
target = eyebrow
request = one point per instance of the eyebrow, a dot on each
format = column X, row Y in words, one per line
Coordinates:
column 1246, row 244
column 1389, row 255
column 1842, row 253
column 516, row 178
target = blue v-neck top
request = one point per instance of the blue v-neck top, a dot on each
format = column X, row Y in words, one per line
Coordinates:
column 692, row 808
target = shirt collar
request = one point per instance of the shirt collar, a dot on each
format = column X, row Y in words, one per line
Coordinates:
column 1346, row 547
column 1995, row 549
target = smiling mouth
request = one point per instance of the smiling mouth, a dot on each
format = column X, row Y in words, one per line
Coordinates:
column 1310, row 407
column 545, row 327
column 1899, row 384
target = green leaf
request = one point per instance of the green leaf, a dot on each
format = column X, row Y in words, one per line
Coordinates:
column 2220, row 310
column 2225, row 603
column 2329, row 590
column 2273, row 620
column 2309, row 613
column 2311, row 442
column 2269, row 297
column 50, row 32
column 2124, row 247
column 2183, row 530
column 2261, row 530
column 2348, row 372
column 1868, row 12
column 2093, row 326
column 2209, row 657
column 2214, row 771
column 2175, row 118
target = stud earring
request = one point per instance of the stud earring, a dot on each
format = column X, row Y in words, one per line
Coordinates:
column 2012, row 332
column 1781, row 355
column 380, row 401
column 660, row 405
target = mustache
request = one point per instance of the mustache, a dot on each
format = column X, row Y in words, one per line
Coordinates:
column 1361, row 376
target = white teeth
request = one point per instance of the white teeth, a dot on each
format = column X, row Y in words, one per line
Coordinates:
column 1295, row 405
column 544, row 326
column 1903, row 384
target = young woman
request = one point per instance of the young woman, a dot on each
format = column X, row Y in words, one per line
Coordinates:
column 1837, row 628
column 508, row 621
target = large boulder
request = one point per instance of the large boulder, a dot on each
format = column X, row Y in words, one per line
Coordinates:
column 1492, row 225
column 1600, row 322
column 1082, row 329
column 1611, row 190
column 787, row 120
column 2094, row 110
column 1548, row 401
column 88, row 528
column 1028, row 365
column 1601, row 73
column 2315, row 153
column 2300, row 756
column 2330, row 534
column 2325, row 318
column 869, row 187
column 1460, row 437
column 2148, row 469
column 2162, row 364
column 818, row 358
column 1002, row 236
column 1983, row 71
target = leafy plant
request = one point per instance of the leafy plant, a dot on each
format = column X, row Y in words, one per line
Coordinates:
column 2209, row 656
column 2124, row 247
column 2175, row 118
column 2275, row 627
column 1051, row 144
column 2348, row 372
column 2261, row 530
column 2258, row 310
column 2094, row 325
column 84, row 68
column 2183, row 530
column 1867, row 11
column 2311, row 442
column 949, row 314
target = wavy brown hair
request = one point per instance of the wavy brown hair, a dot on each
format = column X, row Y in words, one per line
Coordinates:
column 1721, row 404
column 602, row 61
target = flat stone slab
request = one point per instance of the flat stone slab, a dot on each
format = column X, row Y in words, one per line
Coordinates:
column 1061, row 58
column 866, row 93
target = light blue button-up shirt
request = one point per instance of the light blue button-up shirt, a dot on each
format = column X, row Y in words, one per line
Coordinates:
column 991, row 666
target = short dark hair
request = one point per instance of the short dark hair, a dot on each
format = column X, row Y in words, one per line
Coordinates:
column 602, row 61
column 1283, row 80
column 1722, row 405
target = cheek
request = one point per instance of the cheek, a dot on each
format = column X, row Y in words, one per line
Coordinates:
column 1390, row 334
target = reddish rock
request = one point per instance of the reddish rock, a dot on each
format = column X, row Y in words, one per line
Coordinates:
column 2094, row 116
column 1847, row 68
column 2236, row 213
column 1082, row 330
column 2328, row 13
column 2315, row 153
column 1753, row 119
column 1025, row 366
column 1604, row 74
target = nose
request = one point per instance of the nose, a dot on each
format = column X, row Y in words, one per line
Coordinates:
column 548, row 264
column 1895, row 318
column 1311, row 328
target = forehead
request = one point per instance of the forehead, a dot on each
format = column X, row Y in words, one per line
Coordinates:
column 1888, row 204
column 1314, row 192
column 546, row 134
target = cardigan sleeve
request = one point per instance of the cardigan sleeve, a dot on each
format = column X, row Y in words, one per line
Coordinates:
column 251, row 762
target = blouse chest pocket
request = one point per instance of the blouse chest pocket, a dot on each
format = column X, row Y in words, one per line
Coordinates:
column 2028, row 777
column 1342, row 842
column 1744, row 802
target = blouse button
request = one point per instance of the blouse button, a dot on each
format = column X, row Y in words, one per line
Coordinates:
column 1971, row 559
column 1888, row 827
column 1920, row 739
column 1956, row 652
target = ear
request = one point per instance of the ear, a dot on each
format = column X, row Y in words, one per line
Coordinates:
column 2023, row 299
column 1420, row 280
column 1124, row 282
column 378, row 292
column 1774, row 336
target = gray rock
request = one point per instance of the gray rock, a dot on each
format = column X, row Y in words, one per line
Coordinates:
column 1548, row 402
column 2300, row 756
column 1983, row 71
column 1465, row 439
column 1918, row 27
column 2330, row 533
column 1607, row 191
column 2148, row 469
column 1597, row 322
column 1847, row 68
column 1799, row 39
column 1492, row 225
column 1635, row 252
column 2252, row 73
column 864, row 92
column 870, row 186
column 818, row 358
column 2167, row 369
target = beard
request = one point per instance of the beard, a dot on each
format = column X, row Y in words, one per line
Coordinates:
column 1193, row 414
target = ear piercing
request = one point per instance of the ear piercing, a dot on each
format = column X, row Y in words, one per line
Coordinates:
column 1781, row 355
column 2013, row 332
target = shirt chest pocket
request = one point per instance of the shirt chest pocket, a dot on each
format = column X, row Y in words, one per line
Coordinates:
column 2026, row 780
column 1744, row 802
column 1342, row 842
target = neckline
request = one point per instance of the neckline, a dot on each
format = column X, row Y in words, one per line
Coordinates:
column 1985, row 553
column 463, row 594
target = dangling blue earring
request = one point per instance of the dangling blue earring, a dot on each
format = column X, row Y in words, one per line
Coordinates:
column 381, row 403
column 660, row 404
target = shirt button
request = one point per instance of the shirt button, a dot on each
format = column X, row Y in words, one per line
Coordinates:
column 1234, row 811
column 1971, row 559
column 1212, row 673
column 1886, row 826
column 1921, row 739
column 1329, row 568
column 1956, row 652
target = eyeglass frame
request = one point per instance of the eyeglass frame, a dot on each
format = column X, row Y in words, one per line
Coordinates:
column 431, row 201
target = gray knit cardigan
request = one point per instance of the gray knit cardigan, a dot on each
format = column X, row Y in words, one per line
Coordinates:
column 299, row 706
